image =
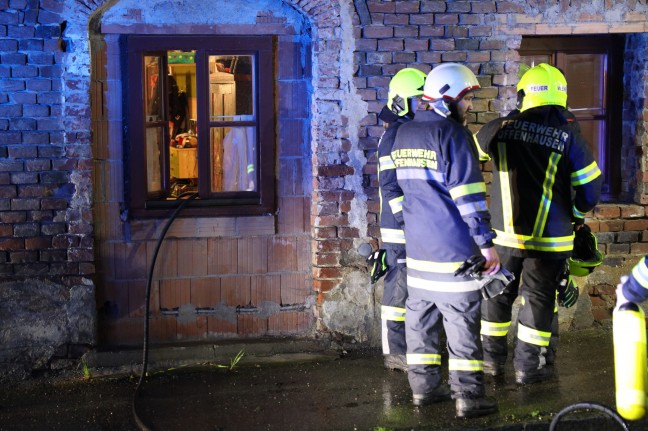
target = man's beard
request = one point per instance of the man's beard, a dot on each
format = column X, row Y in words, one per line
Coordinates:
column 455, row 114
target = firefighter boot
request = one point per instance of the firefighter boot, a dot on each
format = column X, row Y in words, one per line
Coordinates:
column 533, row 376
column 396, row 362
column 473, row 407
column 440, row 393
column 493, row 368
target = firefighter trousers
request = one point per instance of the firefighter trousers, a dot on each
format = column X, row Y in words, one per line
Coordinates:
column 392, row 310
column 425, row 320
column 536, row 320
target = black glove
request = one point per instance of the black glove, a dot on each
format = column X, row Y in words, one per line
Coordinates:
column 378, row 264
column 472, row 266
column 490, row 285
column 567, row 290
column 585, row 247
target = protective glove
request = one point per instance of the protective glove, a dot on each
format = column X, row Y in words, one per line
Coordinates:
column 567, row 293
column 378, row 263
column 567, row 290
column 472, row 266
column 489, row 285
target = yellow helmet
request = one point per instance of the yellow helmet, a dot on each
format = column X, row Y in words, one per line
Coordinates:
column 542, row 85
column 406, row 83
column 586, row 255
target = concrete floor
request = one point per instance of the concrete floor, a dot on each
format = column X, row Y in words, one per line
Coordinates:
column 283, row 388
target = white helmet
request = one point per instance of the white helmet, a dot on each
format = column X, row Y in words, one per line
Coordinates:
column 449, row 81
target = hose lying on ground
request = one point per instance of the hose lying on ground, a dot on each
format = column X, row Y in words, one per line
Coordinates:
column 588, row 406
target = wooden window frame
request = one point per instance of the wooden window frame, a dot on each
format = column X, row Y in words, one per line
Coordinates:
column 613, row 47
column 262, row 201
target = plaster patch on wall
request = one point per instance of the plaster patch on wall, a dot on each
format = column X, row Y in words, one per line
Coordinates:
column 350, row 309
column 191, row 12
column 558, row 13
column 355, row 109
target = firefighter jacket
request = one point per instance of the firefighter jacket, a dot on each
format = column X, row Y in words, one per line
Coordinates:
column 545, row 179
column 635, row 288
column 391, row 195
column 444, row 202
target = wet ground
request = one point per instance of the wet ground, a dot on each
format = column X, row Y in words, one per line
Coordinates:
column 311, row 391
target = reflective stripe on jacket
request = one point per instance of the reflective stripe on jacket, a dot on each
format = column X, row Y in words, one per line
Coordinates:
column 539, row 157
column 391, row 195
column 444, row 203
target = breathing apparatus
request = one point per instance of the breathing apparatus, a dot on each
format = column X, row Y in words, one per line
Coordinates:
column 629, row 335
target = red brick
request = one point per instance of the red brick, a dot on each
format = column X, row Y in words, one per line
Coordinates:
column 289, row 322
column 325, row 232
column 329, row 245
column 638, row 225
column 163, row 328
column 324, row 286
column 252, row 255
column 639, row 248
column 250, row 324
column 174, row 293
column 235, row 291
column 265, row 288
column 335, row 170
column 12, row 244
column 295, row 289
column 377, row 32
column 349, row 232
column 282, row 254
column 607, row 211
column 328, row 272
column 192, row 330
column 630, row 211
column 601, row 314
column 330, row 220
column 327, row 259
column 222, row 255
column 219, row 326
column 611, row 225
column 205, row 292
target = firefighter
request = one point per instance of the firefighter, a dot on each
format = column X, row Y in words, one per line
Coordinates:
column 539, row 159
column 404, row 88
column 446, row 222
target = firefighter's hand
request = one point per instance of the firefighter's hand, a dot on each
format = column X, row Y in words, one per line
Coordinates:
column 492, row 264
column 621, row 299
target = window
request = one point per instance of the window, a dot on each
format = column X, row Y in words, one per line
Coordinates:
column 200, row 121
column 593, row 67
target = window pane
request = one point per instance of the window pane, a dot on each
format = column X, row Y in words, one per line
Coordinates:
column 153, row 89
column 594, row 133
column 234, row 159
column 182, row 92
column 585, row 74
column 534, row 60
column 154, row 159
column 230, row 86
